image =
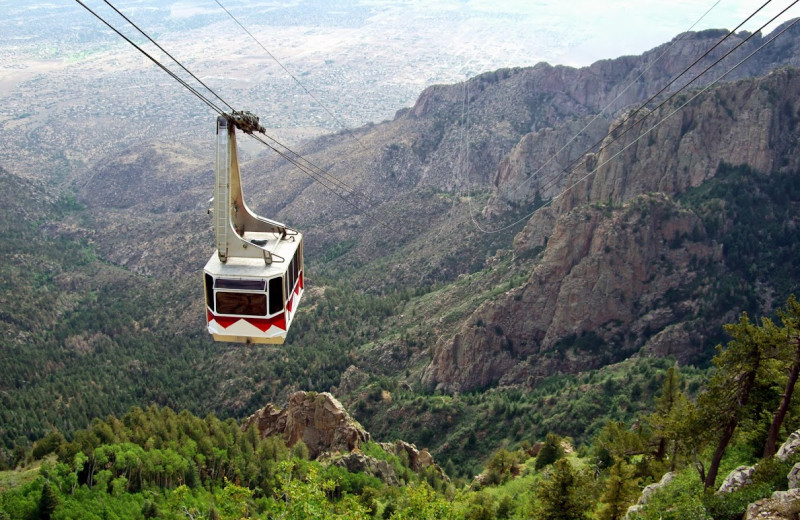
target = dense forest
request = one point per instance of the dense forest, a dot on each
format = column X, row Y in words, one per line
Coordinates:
column 156, row 463
column 64, row 295
column 72, row 307
column 115, row 403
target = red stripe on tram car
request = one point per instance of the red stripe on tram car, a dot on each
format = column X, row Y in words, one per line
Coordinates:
column 224, row 321
column 263, row 324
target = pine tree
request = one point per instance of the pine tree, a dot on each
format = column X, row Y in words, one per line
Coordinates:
column 789, row 338
column 664, row 405
column 621, row 489
column 673, row 422
column 48, row 502
column 562, row 495
column 616, row 441
column 551, row 451
column 739, row 366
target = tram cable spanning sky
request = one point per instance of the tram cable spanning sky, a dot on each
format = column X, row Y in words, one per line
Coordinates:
column 772, row 20
column 575, row 33
column 364, row 58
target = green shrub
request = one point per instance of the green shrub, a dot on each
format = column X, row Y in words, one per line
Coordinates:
column 772, row 472
column 680, row 499
column 731, row 506
column 47, row 445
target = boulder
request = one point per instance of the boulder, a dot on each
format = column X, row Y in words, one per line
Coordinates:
column 790, row 447
column 359, row 463
column 647, row 492
column 418, row 460
column 794, row 477
column 782, row 505
column 351, row 380
column 736, row 479
column 318, row 419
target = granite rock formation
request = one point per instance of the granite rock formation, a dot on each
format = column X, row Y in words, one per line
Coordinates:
column 621, row 260
column 317, row 419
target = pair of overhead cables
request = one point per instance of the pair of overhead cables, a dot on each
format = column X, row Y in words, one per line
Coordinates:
column 299, row 83
column 618, row 96
column 174, row 76
column 576, row 162
column 614, row 138
column 319, row 175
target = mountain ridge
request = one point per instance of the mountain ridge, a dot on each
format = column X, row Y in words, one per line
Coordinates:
column 390, row 299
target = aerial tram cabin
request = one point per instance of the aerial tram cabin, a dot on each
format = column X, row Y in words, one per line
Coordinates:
column 254, row 280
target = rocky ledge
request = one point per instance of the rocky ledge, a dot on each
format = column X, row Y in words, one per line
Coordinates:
column 317, row 419
column 334, row 437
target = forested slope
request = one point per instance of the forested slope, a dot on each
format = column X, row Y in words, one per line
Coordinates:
column 103, row 309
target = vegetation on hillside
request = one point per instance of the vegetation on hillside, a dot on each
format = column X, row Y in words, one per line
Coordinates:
column 156, row 463
column 754, row 216
column 84, row 338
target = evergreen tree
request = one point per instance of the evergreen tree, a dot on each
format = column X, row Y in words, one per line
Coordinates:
column 48, row 502
column 738, row 365
column 502, row 466
column 562, row 495
column 621, row 489
column 665, row 403
column 789, row 338
column 551, row 451
column 673, row 422
column 616, row 441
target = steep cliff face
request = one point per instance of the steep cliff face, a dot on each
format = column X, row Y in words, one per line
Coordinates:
column 623, row 264
column 752, row 121
column 748, row 122
column 607, row 281
column 536, row 166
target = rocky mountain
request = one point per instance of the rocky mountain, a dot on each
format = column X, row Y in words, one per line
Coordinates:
column 618, row 249
column 321, row 423
column 468, row 136
column 672, row 236
column 595, row 296
column 318, row 420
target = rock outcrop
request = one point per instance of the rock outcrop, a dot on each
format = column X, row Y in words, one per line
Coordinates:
column 333, row 437
column 647, row 492
column 793, row 478
column 782, row 505
column 319, row 420
column 359, row 463
column 609, row 276
column 418, row 460
column 752, row 121
column 789, row 447
column 736, row 479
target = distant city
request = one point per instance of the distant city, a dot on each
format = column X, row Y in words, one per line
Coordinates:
column 71, row 90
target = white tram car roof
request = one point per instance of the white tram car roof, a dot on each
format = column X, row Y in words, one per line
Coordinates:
column 255, row 267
